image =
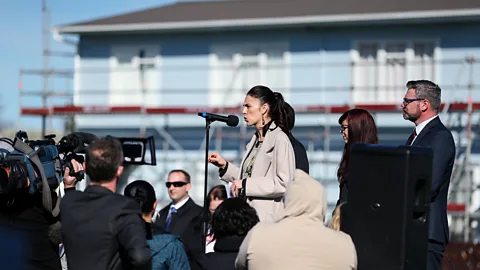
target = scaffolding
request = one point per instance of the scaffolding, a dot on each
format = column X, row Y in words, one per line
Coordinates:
column 48, row 75
column 463, row 213
column 459, row 116
column 461, row 184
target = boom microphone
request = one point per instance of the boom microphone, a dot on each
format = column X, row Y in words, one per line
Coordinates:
column 231, row 120
column 76, row 142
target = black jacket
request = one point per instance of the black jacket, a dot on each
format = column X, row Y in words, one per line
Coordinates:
column 103, row 230
column 181, row 220
column 226, row 251
column 186, row 223
column 301, row 158
column 436, row 136
column 343, row 195
column 24, row 234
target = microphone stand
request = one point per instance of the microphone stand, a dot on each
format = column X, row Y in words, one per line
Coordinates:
column 205, row 206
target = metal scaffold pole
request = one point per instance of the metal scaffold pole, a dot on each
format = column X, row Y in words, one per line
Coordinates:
column 462, row 184
column 468, row 164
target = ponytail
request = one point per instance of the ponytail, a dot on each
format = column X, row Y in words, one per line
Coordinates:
column 279, row 112
column 278, row 109
column 143, row 193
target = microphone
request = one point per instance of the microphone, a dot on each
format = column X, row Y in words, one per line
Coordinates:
column 231, row 120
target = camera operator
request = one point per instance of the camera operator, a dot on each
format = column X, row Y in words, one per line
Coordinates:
column 102, row 229
column 24, row 227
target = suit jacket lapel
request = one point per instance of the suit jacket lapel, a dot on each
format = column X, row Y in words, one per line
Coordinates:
column 162, row 218
column 248, row 149
column 185, row 207
column 180, row 212
column 267, row 144
column 250, row 144
column 426, row 129
column 269, row 140
column 409, row 140
column 262, row 161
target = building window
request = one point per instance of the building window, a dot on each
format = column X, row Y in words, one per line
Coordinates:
column 382, row 68
column 237, row 68
column 424, row 60
column 134, row 75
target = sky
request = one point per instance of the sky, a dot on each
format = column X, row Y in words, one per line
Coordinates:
column 21, row 48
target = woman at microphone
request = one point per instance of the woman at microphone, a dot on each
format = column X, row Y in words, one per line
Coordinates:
column 269, row 163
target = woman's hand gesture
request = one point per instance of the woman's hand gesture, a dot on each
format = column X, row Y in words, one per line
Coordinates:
column 217, row 160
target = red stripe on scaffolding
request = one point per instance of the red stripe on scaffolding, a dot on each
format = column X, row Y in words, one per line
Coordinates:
column 66, row 110
column 71, row 110
column 456, row 207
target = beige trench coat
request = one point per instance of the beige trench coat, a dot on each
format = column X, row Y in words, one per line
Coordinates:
column 274, row 168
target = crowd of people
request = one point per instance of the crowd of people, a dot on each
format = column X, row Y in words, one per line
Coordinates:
column 268, row 214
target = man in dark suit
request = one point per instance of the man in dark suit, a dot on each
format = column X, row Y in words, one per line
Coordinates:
column 102, row 229
column 182, row 216
column 421, row 105
column 301, row 158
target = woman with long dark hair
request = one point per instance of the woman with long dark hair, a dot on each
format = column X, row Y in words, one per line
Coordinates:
column 215, row 197
column 269, row 163
column 356, row 126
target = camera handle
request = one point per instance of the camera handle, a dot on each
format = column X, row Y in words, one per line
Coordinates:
column 80, row 175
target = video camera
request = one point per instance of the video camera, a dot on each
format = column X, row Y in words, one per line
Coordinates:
column 38, row 165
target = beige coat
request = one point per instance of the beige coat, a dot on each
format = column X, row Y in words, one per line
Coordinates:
column 274, row 168
column 298, row 239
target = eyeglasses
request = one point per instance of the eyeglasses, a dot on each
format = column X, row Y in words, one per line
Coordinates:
column 343, row 128
column 175, row 184
column 407, row 101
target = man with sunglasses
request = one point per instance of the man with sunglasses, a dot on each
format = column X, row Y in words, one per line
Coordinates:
column 421, row 106
column 182, row 216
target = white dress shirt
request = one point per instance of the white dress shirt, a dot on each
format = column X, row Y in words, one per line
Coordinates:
column 181, row 203
column 420, row 127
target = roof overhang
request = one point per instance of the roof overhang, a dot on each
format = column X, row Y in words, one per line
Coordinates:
column 413, row 16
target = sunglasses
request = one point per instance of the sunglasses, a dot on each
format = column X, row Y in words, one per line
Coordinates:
column 175, row 184
column 407, row 101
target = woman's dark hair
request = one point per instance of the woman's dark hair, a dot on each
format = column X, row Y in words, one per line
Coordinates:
column 361, row 129
column 275, row 101
column 233, row 217
column 217, row 192
column 143, row 193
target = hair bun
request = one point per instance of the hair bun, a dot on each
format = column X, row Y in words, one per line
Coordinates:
column 140, row 196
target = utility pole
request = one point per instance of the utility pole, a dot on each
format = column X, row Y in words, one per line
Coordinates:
column 45, row 50
column 47, row 73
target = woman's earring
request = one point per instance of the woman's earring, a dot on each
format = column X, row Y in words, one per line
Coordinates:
column 263, row 121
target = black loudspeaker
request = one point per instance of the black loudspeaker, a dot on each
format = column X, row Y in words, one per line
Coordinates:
column 387, row 207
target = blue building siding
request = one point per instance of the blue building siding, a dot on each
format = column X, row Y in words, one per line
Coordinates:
column 92, row 71
column 319, row 70
column 185, row 67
